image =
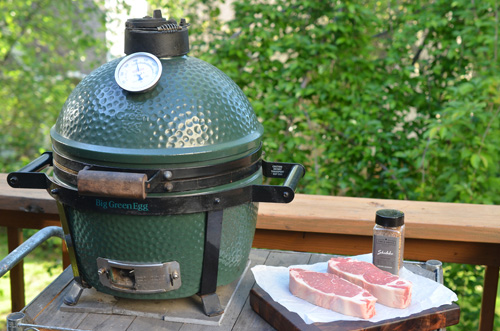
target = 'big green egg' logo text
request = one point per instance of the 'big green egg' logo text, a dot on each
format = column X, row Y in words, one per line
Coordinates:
column 117, row 205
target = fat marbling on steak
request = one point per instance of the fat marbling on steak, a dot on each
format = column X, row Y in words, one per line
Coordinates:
column 390, row 290
column 332, row 292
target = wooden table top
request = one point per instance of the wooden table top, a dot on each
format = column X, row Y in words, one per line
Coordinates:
column 108, row 313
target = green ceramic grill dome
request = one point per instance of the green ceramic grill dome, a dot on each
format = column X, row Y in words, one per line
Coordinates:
column 196, row 113
column 157, row 172
column 195, row 116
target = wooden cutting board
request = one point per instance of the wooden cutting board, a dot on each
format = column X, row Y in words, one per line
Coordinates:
column 282, row 319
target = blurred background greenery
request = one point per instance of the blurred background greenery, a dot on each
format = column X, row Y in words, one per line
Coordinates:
column 381, row 99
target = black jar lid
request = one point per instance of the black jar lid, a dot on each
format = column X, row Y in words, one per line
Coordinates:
column 390, row 218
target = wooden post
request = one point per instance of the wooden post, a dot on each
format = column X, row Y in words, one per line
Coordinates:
column 490, row 289
column 18, row 301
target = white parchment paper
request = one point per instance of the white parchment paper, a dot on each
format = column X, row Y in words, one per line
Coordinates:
column 426, row 294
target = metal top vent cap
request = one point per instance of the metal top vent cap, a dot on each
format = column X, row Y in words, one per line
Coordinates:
column 156, row 35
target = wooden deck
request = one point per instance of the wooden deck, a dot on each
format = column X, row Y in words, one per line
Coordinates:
column 461, row 233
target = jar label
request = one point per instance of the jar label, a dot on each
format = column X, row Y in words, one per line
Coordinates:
column 386, row 253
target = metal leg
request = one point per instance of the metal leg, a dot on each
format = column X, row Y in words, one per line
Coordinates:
column 13, row 321
column 211, row 304
column 73, row 295
column 208, row 285
column 69, row 241
column 436, row 267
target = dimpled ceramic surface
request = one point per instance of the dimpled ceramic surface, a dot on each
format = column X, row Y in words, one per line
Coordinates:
column 195, row 116
column 161, row 239
column 195, row 113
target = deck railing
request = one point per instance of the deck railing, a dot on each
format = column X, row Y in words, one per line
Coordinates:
column 450, row 232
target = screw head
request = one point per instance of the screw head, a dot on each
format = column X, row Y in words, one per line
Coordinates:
column 13, row 180
column 168, row 187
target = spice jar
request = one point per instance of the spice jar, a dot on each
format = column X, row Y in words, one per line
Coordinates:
column 388, row 240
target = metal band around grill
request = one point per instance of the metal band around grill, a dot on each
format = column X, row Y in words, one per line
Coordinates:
column 168, row 180
column 166, row 204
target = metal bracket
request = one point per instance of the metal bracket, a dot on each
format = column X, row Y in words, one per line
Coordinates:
column 139, row 277
column 211, row 304
column 208, row 285
column 71, row 299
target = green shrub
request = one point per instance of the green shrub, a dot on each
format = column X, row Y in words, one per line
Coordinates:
column 377, row 99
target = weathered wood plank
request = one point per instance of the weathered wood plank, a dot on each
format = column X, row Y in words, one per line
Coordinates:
column 240, row 316
column 53, row 316
column 248, row 320
column 415, row 249
column 489, row 298
column 44, row 299
column 355, row 216
column 98, row 322
column 26, row 200
column 283, row 319
column 28, row 220
column 327, row 214
column 143, row 323
column 286, row 258
column 18, row 301
column 44, row 309
column 316, row 258
column 239, row 298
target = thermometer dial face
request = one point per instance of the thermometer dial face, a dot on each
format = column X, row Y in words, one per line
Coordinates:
column 138, row 72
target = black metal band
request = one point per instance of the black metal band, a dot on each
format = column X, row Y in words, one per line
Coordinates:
column 169, row 180
column 210, row 267
column 164, row 204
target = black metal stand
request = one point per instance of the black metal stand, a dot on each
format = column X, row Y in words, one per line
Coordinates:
column 208, row 286
column 71, row 299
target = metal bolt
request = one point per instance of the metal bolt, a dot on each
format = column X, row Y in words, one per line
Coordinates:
column 169, row 187
column 175, row 275
column 286, row 194
column 13, row 180
column 168, row 175
column 102, row 271
column 54, row 191
column 216, row 201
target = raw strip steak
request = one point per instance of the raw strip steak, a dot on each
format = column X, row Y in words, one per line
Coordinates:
column 390, row 290
column 332, row 292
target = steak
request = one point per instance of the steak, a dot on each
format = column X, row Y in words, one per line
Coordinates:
column 332, row 292
column 390, row 290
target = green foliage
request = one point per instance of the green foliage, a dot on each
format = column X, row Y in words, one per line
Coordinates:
column 42, row 45
column 377, row 99
column 467, row 282
column 353, row 91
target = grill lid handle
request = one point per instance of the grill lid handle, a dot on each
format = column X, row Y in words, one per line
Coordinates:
column 292, row 172
column 30, row 175
column 112, row 184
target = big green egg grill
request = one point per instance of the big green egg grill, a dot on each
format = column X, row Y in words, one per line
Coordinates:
column 158, row 184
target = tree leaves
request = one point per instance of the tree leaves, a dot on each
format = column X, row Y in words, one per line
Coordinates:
column 41, row 45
